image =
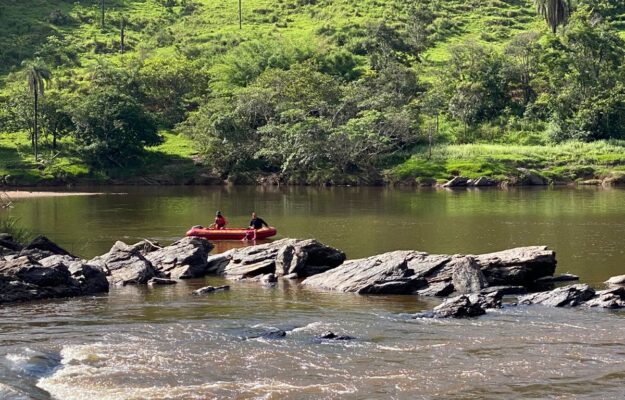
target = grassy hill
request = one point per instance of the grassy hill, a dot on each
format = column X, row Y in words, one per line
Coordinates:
column 68, row 35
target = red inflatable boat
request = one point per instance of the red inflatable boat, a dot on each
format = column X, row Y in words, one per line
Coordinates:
column 231, row 234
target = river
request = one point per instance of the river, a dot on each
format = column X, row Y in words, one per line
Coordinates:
column 163, row 343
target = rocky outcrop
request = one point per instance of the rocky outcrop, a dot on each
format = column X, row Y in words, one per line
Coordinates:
column 125, row 265
column 567, row 296
column 42, row 270
column 403, row 271
column 616, row 280
column 387, row 273
column 282, row 257
column 520, row 266
column 612, row 298
column 23, row 279
column 184, row 259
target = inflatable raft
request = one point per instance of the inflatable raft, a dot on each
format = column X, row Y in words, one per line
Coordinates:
column 231, row 233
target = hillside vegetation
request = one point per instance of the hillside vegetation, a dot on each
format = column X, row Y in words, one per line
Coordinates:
column 308, row 91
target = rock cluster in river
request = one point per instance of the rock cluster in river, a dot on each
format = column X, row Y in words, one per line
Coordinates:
column 41, row 269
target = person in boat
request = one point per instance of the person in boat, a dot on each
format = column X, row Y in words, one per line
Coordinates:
column 255, row 224
column 220, row 221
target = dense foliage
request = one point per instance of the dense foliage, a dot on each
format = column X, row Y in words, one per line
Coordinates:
column 314, row 101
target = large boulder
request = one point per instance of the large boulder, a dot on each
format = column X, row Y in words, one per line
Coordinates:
column 566, row 296
column 382, row 274
column 520, row 266
column 184, row 259
column 282, row 257
column 24, row 278
column 125, row 265
column 616, row 280
column 467, row 276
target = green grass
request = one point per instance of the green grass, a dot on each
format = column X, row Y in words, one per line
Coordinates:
column 566, row 162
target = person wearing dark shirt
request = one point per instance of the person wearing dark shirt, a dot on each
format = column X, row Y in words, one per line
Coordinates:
column 220, row 221
column 255, row 224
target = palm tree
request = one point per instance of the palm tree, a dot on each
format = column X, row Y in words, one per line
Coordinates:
column 556, row 12
column 37, row 76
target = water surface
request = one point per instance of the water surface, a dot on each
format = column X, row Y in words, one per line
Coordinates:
column 141, row 343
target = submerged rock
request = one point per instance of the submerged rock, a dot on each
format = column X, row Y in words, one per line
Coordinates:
column 161, row 281
column 272, row 334
column 567, row 296
column 329, row 335
column 455, row 307
column 557, row 279
column 210, row 289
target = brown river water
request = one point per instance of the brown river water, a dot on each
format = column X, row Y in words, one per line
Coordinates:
column 163, row 343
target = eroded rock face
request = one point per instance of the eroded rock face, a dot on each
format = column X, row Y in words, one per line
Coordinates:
column 520, row 266
column 282, row 257
column 401, row 271
column 125, row 265
column 567, row 296
column 382, row 274
column 24, row 278
column 467, row 276
column 184, row 259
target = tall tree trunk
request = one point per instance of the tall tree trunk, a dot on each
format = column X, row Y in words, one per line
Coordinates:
column 240, row 16
column 122, row 26
column 102, row 14
column 36, row 127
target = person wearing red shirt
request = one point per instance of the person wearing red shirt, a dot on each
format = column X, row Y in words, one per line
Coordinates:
column 220, row 221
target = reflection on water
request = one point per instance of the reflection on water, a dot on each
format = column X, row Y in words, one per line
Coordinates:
column 154, row 343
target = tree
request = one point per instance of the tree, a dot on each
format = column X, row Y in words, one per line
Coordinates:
column 37, row 75
column 112, row 128
column 555, row 12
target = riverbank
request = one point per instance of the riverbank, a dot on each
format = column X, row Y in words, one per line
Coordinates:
column 176, row 163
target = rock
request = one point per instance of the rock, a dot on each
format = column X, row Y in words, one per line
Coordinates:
column 567, row 296
column 145, row 247
column 7, row 243
column 457, row 181
column 467, row 276
column 504, row 290
column 24, row 278
column 290, row 276
column 616, row 280
column 531, row 178
column 483, row 182
column 382, row 274
column 272, row 334
column 210, row 289
column 125, row 265
column 268, row 279
column 216, row 264
column 590, row 182
column 328, row 335
column 488, row 300
column 612, row 298
column 456, row 307
column 161, row 281
column 184, row 259
column 282, row 257
column 41, row 247
column 558, row 278
column 439, row 289
column 520, row 266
